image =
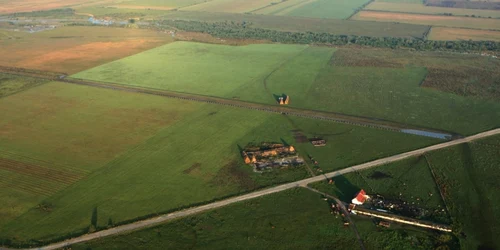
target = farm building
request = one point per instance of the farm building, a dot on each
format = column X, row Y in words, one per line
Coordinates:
column 268, row 156
column 284, row 100
column 318, row 142
column 360, row 198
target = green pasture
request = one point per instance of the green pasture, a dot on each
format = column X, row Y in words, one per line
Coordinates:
column 339, row 9
column 292, row 219
column 119, row 13
column 164, row 3
column 154, row 155
column 468, row 175
column 259, row 73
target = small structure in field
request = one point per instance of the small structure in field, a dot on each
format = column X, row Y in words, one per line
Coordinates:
column 271, row 155
column 384, row 224
column 284, row 100
column 317, row 142
column 360, row 198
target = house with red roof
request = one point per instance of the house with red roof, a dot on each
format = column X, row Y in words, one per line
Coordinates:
column 360, row 198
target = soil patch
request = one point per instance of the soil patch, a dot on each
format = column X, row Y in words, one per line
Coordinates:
column 232, row 173
column 377, row 175
column 195, row 166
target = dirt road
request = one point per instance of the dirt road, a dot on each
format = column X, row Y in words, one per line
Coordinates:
column 301, row 183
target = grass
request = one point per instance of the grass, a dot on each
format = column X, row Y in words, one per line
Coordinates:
column 419, row 8
column 293, row 219
column 467, row 175
column 73, row 49
column 328, row 9
column 11, row 84
column 258, row 73
column 448, row 34
column 164, row 3
column 434, row 20
column 121, row 12
column 282, row 8
column 304, row 24
column 195, row 67
column 149, row 156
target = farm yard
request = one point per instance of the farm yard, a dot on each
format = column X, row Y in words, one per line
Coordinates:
column 322, row 85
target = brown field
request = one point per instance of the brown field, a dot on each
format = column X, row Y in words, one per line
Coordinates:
column 465, row 75
column 73, row 49
column 449, row 34
column 10, row 6
column 448, row 21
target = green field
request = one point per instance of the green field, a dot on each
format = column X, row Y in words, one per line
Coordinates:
column 163, row 3
column 304, row 24
column 231, row 6
column 257, row 73
column 468, row 175
column 422, row 9
column 146, row 153
column 339, row 9
column 11, row 84
column 293, row 219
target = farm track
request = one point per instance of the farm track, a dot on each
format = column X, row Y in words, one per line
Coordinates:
column 302, row 183
column 305, row 113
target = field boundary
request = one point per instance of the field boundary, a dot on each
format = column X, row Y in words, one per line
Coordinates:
column 301, row 183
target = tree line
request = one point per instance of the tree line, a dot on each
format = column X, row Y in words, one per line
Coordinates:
column 242, row 30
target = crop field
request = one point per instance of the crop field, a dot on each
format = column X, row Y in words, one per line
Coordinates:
column 11, row 84
column 72, row 49
column 236, row 6
column 419, row 8
column 149, row 156
column 448, row 34
column 163, row 3
column 435, row 20
column 327, row 9
column 293, row 219
column 467, row 174
column 322, row 83
column 303, row 24
column 282, row 8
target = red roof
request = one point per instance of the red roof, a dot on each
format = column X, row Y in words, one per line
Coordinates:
column 361, row 196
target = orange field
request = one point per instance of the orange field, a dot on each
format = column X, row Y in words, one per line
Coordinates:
column 435, row 20
column 448, row 34
column 73, row 49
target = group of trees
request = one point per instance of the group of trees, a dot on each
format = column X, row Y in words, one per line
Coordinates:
column 244, row 30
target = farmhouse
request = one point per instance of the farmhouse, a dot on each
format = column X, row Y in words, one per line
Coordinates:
column 284, row 100
column 360, row 198
column 318, row 142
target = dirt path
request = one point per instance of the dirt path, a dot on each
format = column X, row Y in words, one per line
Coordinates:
column 306, row 113
column 302, row 183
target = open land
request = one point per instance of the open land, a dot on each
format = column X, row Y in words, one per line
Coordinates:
column 236, row 6
column 11, row 84
column 447, row 21
column 296, row 218
column 73, row 49
column 35, row 5
column 449, row 34
column 325, row 81
column 422, row 9
column 161, row 151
